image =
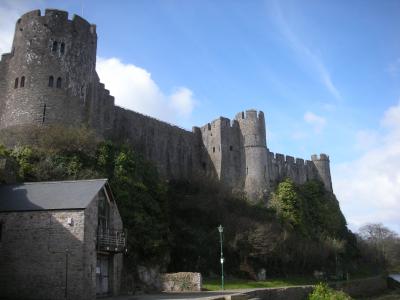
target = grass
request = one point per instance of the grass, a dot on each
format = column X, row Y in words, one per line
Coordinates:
column 231, row 284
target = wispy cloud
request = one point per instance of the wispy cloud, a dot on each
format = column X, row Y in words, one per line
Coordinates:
column 304, row 52
column 316, row 121
column 394, row 67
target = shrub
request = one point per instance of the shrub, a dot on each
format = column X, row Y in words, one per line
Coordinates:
column 323, row 292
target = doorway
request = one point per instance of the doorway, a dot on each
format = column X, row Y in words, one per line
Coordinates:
column 103, row 282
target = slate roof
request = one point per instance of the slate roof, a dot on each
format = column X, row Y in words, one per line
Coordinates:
column 49, row 195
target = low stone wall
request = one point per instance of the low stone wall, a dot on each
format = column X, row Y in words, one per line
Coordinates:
column 362, row 287
column 181, row 282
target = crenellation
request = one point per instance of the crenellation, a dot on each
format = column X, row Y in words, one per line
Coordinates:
column 29, row 15
column 280, row 157
column 289, row 160
column 56, row 14
column 80, row 23
column 232, row 151
column 5, row 57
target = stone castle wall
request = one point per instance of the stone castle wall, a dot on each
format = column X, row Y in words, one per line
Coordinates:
column 48, row 70
column 232, row 151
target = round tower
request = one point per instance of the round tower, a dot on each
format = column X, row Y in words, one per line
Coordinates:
column 49, row 70
column 253, row 139
column 321, row 163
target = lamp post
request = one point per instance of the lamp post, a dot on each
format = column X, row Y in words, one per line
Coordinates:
column 221, row 231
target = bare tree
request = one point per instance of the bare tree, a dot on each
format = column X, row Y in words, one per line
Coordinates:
column 385, row 241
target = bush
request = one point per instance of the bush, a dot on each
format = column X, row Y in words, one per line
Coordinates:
column 323, row 292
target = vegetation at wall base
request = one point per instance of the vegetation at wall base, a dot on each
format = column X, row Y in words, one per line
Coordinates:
column 173, row 224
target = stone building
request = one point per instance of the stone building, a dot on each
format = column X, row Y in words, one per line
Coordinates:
column 49, row 77
column 60, row 240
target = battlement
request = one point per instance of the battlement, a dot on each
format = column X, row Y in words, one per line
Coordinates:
column 287, row 159
column 220, row 122
column 29, row 15
column 250, row 114
column 322, row 156
column 65, row 88
column 5, row 57
column 56, row 13
column 58, row 16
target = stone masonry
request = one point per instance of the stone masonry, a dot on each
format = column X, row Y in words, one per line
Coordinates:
column 50, row 78
column 44, row 257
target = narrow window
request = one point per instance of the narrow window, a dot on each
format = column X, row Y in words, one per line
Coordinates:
column 55, row 46
column 213, row 149
column 62, row 48
column 265, row 172
column 16, row 83
column 247, row 170
column 44, row 113
column 230, row 148
column 204, row 166
column 22, row 81
column 59, row 82
column 51, row 81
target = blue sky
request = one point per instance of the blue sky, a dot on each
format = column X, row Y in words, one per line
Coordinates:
column 326, row 75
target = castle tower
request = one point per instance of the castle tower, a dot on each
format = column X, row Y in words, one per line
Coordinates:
column 321, row 163
column 49, row 71
column 254, row 163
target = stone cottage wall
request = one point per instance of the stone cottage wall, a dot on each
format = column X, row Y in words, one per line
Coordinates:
column 34, row 249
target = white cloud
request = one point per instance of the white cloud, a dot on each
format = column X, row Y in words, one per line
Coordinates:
column 369, row 188
column 182, row 101
column 316, row 121
column 133, row 88
column 307, row 55
column 366, row 139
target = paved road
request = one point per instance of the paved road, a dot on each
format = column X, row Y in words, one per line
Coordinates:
column 175, row 296
column 395, row 277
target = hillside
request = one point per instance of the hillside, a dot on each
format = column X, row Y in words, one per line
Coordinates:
column 173, row 224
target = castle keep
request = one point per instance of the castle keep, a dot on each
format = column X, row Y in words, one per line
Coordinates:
column 50, row 78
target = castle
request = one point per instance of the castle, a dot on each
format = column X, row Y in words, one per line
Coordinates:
column 50, row 78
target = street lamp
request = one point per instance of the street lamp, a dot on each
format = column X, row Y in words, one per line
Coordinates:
column 221, row 231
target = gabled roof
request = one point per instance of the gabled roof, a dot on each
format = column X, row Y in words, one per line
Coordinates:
column 49, row 195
